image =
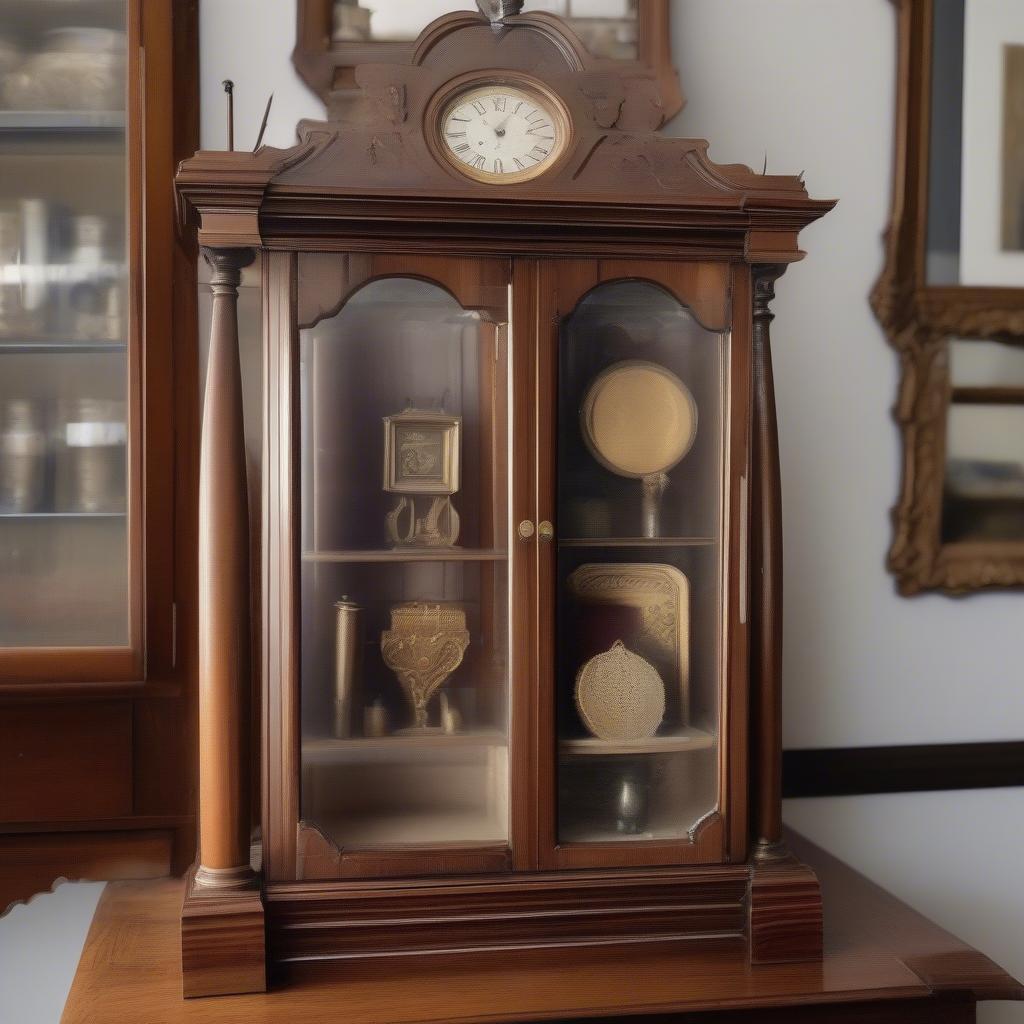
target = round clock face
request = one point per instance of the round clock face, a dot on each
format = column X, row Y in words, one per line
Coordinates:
column 503, row 133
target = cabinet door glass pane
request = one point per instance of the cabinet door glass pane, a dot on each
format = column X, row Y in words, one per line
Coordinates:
column 641, row 426
column 63, row 325
column 405, row 635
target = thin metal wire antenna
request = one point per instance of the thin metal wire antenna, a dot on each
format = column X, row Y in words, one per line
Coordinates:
column 229, row 88
column 263, row 124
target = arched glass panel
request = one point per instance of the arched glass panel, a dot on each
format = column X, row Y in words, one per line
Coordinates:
column 641, row 429
column 404, row 581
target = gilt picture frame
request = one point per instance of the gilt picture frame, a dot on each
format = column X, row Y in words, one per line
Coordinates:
column 921, row 319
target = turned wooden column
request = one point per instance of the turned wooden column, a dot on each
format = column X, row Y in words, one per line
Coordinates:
column 224, row 597
column 766, row 582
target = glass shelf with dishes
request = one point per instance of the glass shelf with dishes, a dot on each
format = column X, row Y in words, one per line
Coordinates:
column 64, row 324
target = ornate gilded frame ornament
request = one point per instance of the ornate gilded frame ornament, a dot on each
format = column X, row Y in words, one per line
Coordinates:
column 919, row 321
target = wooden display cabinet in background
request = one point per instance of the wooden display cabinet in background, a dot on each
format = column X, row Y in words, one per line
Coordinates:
column 392, row 280
column 96, row 675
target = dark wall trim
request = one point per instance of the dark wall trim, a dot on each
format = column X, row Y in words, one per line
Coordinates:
column 858, row 771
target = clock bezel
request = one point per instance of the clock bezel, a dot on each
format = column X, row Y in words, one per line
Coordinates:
column 458, row 89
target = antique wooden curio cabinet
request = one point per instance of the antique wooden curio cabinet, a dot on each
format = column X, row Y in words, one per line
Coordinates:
column 511, row 677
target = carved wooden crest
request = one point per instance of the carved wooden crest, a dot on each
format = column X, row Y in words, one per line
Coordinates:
column 347, row 180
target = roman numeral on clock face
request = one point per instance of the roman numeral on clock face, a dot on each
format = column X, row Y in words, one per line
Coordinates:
column 495, row 132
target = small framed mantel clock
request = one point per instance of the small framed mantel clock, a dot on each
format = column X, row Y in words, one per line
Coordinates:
column 519, row 605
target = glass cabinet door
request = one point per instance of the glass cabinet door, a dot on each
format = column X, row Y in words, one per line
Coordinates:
column 404, row 431
column 639, row 500
column 65, row 576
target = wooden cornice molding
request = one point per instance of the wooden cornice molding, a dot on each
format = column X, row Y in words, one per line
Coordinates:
column 379, row 166
column 221, row 192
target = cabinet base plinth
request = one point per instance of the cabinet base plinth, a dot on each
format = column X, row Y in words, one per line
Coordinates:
column 775, row 912
column 786, row 916
column 223, row 941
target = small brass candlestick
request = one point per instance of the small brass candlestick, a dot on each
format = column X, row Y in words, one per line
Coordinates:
column 423, row 647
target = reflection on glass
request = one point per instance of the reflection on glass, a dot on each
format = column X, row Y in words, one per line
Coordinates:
column 404, row 571
column 607, row 27
column 984, row 497
column 975, row 229
column 986, row 364
column 639, row 670
column 984, row 491
column 946, row 161
column 63, row 326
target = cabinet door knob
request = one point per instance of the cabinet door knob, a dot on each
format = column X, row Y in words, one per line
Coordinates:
column 546, row 531
column 526, row 529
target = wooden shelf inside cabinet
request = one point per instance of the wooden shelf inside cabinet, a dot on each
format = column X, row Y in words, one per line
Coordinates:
column 397, row 747
column 682, row 741
column 431, row 829
column 408, row 555
column 55, row 516
column 62, row 121
column 43, row 346
column 637, row 542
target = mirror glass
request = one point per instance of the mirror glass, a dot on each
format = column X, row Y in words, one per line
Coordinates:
column 983, row 499
column 975, row 230
column 608, row 27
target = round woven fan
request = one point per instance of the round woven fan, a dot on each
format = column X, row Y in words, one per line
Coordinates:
column 620, row 696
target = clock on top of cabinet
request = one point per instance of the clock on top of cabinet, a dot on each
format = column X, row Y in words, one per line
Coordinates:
column 520, row 598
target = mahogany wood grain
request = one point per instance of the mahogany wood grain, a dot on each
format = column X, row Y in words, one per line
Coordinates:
column 71, row 762
column 33, row 862
column 224, row 589
column 785, row 914
column 281, row 626
column 883, row 963
column 738, row 573
column 436, row 918
column 318, row 858
column 528, row 788
column 766, row 555
column 223, row 948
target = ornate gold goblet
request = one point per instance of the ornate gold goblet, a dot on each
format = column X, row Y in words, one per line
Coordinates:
column 423, row 647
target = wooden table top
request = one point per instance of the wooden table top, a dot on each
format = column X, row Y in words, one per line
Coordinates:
column 883, row 962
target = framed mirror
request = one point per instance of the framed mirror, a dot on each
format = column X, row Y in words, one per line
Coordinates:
column 951, row 296
column 335, row 36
